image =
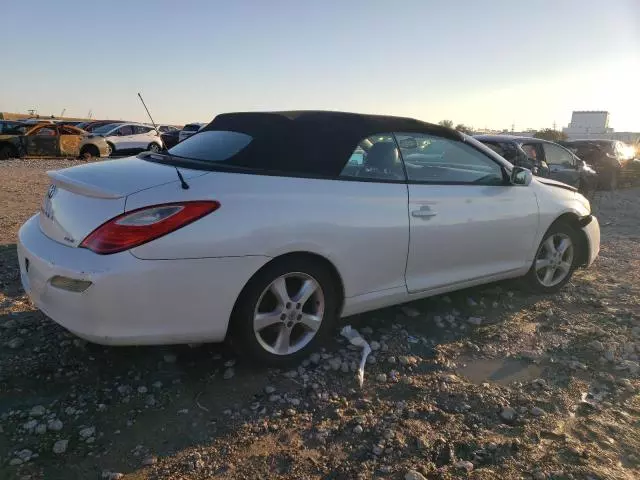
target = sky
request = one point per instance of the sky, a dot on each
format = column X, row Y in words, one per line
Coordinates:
column 494, row 63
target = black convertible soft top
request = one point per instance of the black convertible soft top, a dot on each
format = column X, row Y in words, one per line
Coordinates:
column 311, row 142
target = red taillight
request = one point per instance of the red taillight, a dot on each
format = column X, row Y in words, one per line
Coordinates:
column 140, row 226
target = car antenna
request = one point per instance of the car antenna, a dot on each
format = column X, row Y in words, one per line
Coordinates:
column 183, row 183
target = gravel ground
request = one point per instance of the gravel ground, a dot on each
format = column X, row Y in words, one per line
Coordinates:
column 484, row 383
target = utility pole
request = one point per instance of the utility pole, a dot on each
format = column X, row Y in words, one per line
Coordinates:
column 63, row 110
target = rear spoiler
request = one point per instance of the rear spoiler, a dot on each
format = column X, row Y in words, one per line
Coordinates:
column 82, row 188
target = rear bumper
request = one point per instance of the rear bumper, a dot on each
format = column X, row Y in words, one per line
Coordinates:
column 592, row 231
column 132, row 301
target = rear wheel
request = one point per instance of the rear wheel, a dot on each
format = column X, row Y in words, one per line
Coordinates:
column 284, row 311
column 555, row 261
column 611, row 180
column 587, row 187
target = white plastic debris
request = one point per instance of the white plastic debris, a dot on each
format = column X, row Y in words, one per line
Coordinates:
column 354, row 338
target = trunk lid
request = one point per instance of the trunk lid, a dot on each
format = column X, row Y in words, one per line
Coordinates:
column 82, row 198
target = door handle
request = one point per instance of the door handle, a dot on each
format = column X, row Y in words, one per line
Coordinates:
column 423, row 213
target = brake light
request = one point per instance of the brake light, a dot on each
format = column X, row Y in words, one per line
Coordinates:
column 132, row 229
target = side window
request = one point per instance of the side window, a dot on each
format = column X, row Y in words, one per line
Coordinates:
column 14, row 129
column 67, row 131
column 46, row 132
column 506, row 150
column 555, row 155
column 432, row 159
column 375, row 158
column 125, row 130
column 531, row 150
column 138, row 129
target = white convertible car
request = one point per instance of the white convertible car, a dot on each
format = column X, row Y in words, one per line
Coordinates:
column 267, row 227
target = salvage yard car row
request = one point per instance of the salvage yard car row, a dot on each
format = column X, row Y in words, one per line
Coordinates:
column 102, row 138
column 587, row 165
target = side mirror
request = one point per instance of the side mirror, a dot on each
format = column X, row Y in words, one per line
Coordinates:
column 521, row 176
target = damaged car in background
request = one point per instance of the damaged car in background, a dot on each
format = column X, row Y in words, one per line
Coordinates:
column 266, row 228
column 610, row 158
column 544, row 159
column 51, row 140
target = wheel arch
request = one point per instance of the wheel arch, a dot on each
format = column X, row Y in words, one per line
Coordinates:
column 315, row 257
column 91, row 147
column 576, row 222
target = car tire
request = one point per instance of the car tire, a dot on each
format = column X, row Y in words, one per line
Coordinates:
column 270, row 326
column 613, row 180
column 7, row 152
column 561, row 262
column 89, row 152
column 112, row 149
column 587, row 187
column 154, row 147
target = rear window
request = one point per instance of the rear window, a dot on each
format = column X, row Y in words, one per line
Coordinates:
column 191, row 128
column 212, row 145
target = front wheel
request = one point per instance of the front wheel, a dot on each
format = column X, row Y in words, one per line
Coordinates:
column 154, row 147
column 613, row 182
column 284, row 311
column 555, row 261
column 89, row 152
column 7, row 152
column 610, row 180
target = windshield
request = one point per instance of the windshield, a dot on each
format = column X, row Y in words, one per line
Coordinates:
column 103, row 129
column 191, row 128
column 211, row 146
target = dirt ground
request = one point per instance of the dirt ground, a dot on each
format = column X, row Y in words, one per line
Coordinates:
column 484, row 383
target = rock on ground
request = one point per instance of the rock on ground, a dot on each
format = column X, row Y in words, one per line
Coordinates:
column 414, row 475
column 60, row 446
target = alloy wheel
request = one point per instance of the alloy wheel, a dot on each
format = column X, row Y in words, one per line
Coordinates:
column 289, row 313
column 554, row 259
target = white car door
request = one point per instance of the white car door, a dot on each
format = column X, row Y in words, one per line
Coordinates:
column 467, row 222
column 372, row 250
column 141, row 137
column 121, row 137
